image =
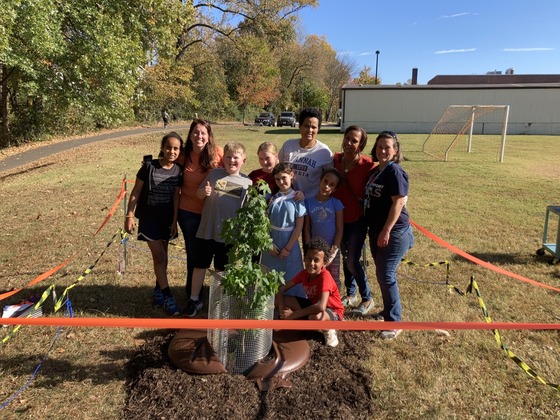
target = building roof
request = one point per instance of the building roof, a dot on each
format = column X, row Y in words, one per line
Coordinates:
column 494, row 79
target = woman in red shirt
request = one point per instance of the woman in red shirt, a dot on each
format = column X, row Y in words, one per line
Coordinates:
column 355, row 169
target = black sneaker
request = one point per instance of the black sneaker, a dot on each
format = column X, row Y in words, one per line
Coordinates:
column 193, row 306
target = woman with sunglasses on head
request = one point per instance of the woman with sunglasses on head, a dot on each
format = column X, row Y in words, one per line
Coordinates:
column 390, row 234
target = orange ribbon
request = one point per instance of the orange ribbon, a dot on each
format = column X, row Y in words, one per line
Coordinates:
column 184, row 323
column 479, row 261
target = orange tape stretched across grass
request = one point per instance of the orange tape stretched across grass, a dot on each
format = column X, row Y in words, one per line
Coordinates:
column 183, row 323
column 50, row 272
column 478, row 260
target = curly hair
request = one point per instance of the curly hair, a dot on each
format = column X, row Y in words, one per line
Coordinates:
column 319, row 244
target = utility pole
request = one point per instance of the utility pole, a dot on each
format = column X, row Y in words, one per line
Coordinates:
column 376, row 65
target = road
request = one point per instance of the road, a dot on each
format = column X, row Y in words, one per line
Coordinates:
column 24, row 158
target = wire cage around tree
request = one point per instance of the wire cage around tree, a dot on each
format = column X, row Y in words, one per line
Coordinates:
column 238, row 350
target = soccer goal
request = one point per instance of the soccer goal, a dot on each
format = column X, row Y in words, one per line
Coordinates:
column 458, row 121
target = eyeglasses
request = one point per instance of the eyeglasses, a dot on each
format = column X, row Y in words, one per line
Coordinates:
column 388, row 133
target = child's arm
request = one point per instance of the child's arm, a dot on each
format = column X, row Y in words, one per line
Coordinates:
column 133, row 200
column 307, row 229
column 175, row 212
column 281, row 291
column 205, row 191
column 316, row 308
column 299, row 196
column 338, row 235
column 293, row 238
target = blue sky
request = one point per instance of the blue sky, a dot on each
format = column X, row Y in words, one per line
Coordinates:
column 441, row 36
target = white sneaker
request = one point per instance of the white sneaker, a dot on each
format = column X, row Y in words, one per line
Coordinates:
column 331, row 338
column 390, row 334
column 349, row 301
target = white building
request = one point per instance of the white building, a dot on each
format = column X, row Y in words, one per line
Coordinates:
column 534, row 107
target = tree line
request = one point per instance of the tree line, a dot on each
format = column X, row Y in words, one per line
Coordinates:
column 70, row 66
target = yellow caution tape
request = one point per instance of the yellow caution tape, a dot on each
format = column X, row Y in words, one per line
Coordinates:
column 436, row 264
column 62, row 300
column 474, row 286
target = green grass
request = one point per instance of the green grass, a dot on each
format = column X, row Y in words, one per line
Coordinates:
column 492, row 210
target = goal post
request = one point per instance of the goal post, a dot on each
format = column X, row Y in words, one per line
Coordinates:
column 458, row 121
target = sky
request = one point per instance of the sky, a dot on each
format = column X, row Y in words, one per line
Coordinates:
column 439, row 37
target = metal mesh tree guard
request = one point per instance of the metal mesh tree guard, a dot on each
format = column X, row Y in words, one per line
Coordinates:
column 238, row 350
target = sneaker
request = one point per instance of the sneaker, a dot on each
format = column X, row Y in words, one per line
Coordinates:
column 349, row 301
column 159, row 298
column 170, row 306
column 364, row 307
column 193, row 306
column 331, row 339
column 390, row 334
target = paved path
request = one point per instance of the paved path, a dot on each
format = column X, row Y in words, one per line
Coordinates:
column 32, row 155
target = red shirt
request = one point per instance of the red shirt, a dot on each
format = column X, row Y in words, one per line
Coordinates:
column 351, row 190
column 322, row 283
column 267, row 177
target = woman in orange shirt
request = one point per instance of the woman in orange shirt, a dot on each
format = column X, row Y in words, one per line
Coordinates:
column 200, row 155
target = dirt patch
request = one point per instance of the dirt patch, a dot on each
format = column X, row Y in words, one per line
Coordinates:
column 333, row 384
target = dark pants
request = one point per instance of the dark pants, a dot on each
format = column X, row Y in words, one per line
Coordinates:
column 189, row 222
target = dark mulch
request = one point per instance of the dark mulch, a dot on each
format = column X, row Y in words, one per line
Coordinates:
column 333, row 384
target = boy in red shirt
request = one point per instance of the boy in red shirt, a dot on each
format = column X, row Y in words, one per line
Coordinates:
column 323, row 298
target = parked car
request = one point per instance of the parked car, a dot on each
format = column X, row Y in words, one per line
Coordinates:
column 266, row 118
column 287, row 118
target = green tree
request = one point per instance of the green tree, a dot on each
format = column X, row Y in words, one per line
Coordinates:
column 252, row 71
column 166, row 85
column 77, row 63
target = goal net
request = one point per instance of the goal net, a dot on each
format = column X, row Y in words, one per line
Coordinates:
column 460, row 122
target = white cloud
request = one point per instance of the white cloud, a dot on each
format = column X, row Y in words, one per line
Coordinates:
column 365, row 53
column 528, row 49
column 463, row 50
column 457, row 15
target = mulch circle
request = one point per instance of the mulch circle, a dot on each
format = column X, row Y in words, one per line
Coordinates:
column 333, row 384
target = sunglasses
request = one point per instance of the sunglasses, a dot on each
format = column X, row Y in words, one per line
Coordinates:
column 388, row 133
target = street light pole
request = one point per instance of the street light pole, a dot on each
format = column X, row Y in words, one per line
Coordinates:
column 376, row 65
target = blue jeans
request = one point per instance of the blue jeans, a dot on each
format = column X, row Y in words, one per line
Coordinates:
column 387, row 260
column 189, row 222
column 353, row 240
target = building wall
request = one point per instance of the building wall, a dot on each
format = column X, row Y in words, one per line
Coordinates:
column 416, row 109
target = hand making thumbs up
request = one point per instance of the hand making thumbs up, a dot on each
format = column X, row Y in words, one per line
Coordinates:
column 208, row 189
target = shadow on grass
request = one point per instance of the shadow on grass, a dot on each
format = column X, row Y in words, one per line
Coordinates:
column 116, row 300
column 284, row 130
column 55, row 372
column 500, row 258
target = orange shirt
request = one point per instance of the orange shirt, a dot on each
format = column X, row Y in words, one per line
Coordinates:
column 192, row 178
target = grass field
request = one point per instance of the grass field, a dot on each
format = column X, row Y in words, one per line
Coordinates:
column 492, row 210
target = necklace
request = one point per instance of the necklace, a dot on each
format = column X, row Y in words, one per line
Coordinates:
column 352, row 164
